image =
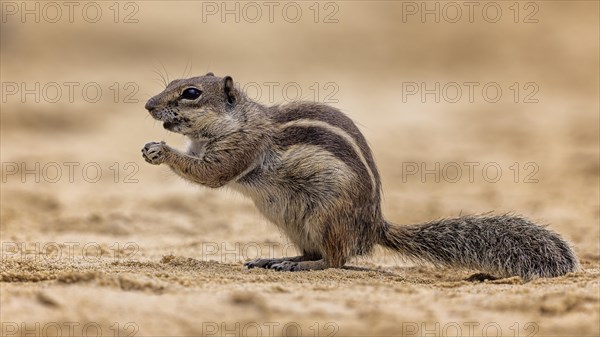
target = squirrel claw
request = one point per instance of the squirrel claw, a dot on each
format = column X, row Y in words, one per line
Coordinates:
column 274, row 264
column 284, row 266
column 154, row 152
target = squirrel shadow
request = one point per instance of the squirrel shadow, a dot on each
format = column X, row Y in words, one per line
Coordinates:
column 477, row 277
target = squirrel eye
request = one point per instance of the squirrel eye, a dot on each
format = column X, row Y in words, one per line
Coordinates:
column 191, row 93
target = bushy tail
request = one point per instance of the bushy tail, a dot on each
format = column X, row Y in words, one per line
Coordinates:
column 501, row 245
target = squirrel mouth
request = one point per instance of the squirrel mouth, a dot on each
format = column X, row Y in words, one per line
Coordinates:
column 170, row 125
column 176, row 124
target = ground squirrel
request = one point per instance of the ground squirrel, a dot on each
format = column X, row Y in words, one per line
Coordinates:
column 309, row 170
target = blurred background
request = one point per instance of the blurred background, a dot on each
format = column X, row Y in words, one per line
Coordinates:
column 468, row 107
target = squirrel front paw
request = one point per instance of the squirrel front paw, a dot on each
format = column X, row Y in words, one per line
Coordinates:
column 155, row 152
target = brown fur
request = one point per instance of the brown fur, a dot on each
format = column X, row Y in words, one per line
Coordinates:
column 310, row 171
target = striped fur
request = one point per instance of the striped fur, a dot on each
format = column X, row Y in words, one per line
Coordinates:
column 334, row 143
column 310, row 171
column 314, row 112
column 333, row 139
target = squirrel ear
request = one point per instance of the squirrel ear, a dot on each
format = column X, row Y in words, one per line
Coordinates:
column 228, row 88
column 210, row 74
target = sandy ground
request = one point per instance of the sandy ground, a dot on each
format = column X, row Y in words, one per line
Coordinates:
column 120, row 248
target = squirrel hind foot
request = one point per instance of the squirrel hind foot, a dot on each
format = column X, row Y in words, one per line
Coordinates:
column 297, row 263
column 299, row 266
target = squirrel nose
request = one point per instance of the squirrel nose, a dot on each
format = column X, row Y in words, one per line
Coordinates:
column 150, row 105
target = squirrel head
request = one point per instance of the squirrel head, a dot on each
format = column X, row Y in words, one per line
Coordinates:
column 199, row 107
